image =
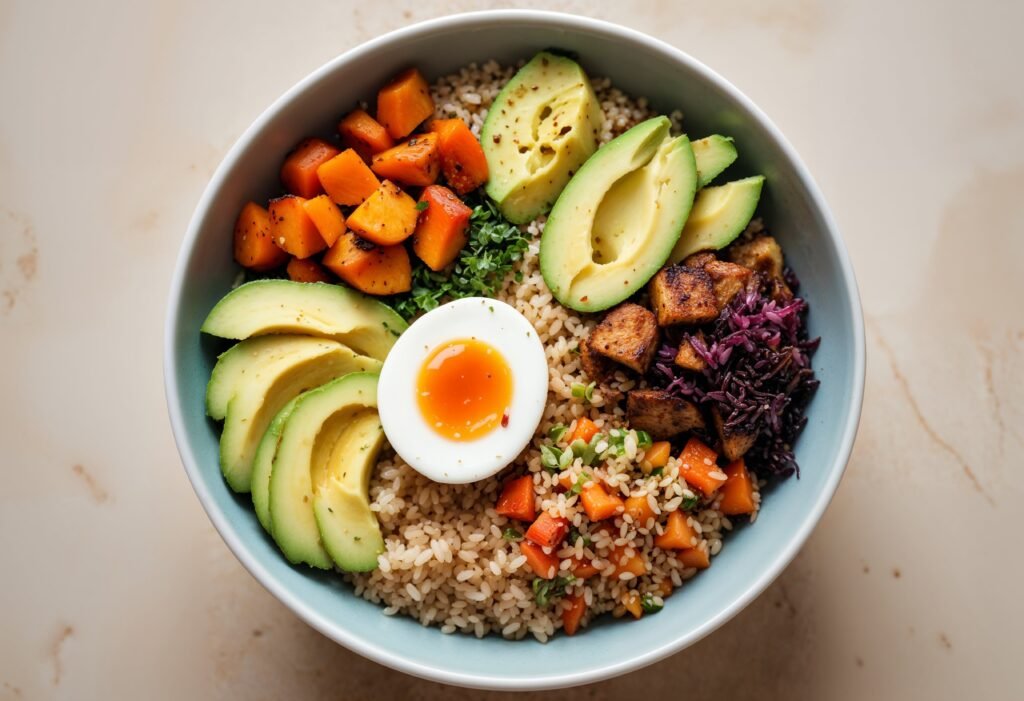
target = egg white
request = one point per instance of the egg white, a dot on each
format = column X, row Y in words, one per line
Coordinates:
column 431, row 454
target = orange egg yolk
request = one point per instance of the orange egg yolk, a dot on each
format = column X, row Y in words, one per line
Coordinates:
column 464, row 389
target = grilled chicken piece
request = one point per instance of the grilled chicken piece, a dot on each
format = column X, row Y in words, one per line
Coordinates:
column 661, row 414
column 628, row 335
column 596, row 366
column 763, row 255
column 681, row 295
column 686, row 356
column 727, row 280
column 735, row 444
column 699, row 259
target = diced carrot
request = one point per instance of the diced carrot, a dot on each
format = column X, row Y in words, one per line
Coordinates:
column 657, row 455
column 598, row 503
column 583, row 569
column 699, row 467
column 327, row 218
column 404, row 103
column 665, row 588
column 387, row 217
column 584, row 430
column 441, row 230
column 254, row 245
column 517, row 500
column 347, row 179
column 548, row 530
column 414, row 162
column 292, row 229
column 738, row 490
column 632, row 603
column 634, row 564
column 678, row 535
column 363, row 133
column 462, row 158
column 695, row 557
column 640, row 509
column 565, row 480
column 306, row 270
column 572, row 613
column 375, row 270
column 298, row 174
column 542, row 564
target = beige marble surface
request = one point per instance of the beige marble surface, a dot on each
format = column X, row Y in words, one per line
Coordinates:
column 113, row 584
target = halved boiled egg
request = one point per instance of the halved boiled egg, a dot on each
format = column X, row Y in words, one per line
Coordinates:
column 463, row 389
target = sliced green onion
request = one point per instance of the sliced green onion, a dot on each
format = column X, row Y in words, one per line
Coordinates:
column 643, row 439
column 557, row 431
column 649, row 605
column 511, row 534
column 549, row 458
column 578, row 390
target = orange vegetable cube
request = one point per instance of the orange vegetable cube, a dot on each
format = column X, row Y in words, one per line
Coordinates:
column 584, row 430
column 327, row 218
column 572, row 613
column 415, row 162
column 657, row 455
column 387, row 217
column 404, row 103
column 441, row 230
column 632, row 603
column 583, row 569
column 695, row 557
column 375, row 270
column 548, row 531
column 306, row 270
column 516, row 500
column 634, row 564
column 738, row 490
column 640, row 509
column 462, row 158
column 347, row 179
column 363, row 133
column 598, row 503
column 254, row 245
column 298, row 174
column 542, row 564
column 292, row 229
column 678, row 535
column 699, row 467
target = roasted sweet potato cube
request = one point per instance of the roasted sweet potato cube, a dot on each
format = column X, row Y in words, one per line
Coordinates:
column 661, row 414
column 687, row 358
column 629, row 335
column 735, row 442
column 727, row 280
column 596, row 366
column 682, row 295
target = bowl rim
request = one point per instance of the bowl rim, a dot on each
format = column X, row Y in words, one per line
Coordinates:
column 383, row 655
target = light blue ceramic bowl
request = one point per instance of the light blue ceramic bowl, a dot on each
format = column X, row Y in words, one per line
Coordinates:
column 793, row 206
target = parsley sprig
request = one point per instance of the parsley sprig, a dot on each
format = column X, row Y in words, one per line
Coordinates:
column 494, row 246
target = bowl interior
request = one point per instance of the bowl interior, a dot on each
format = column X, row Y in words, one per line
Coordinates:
column 751, row 557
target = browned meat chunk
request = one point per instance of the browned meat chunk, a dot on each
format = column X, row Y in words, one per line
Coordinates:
column 727, row 280
column 687, row 358
column 699, row 259
column 682, row 295
column 734, row 443
column 596, row 366
column 661, row 414
column 763, row 255
column 629, row 335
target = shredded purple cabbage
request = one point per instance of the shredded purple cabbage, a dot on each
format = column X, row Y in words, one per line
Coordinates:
column 758, row 374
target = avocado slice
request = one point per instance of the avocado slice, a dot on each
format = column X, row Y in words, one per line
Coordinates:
column 306, row 464
column 271, row 380
column 349, row 530
column 318, row 309
column 719, row 215
column 616, row 222
column 264, row 460
column 542, row 126
column 713, row 154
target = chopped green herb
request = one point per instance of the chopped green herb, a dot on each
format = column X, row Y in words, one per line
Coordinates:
column 588, row 391
column 494, row 246
column 557, row 431
column 649, row 605
column 643, row 439
column 420, row 206
column 657, row 471
column 690, row 503
column 549, row 458
column 544, row 590
column 577, row 487
column 574, row 535
column 566, row 459
column 578, row 447
column 578, row 389
column 511, row 534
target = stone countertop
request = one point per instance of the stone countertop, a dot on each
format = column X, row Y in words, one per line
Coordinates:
column 115, row 584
